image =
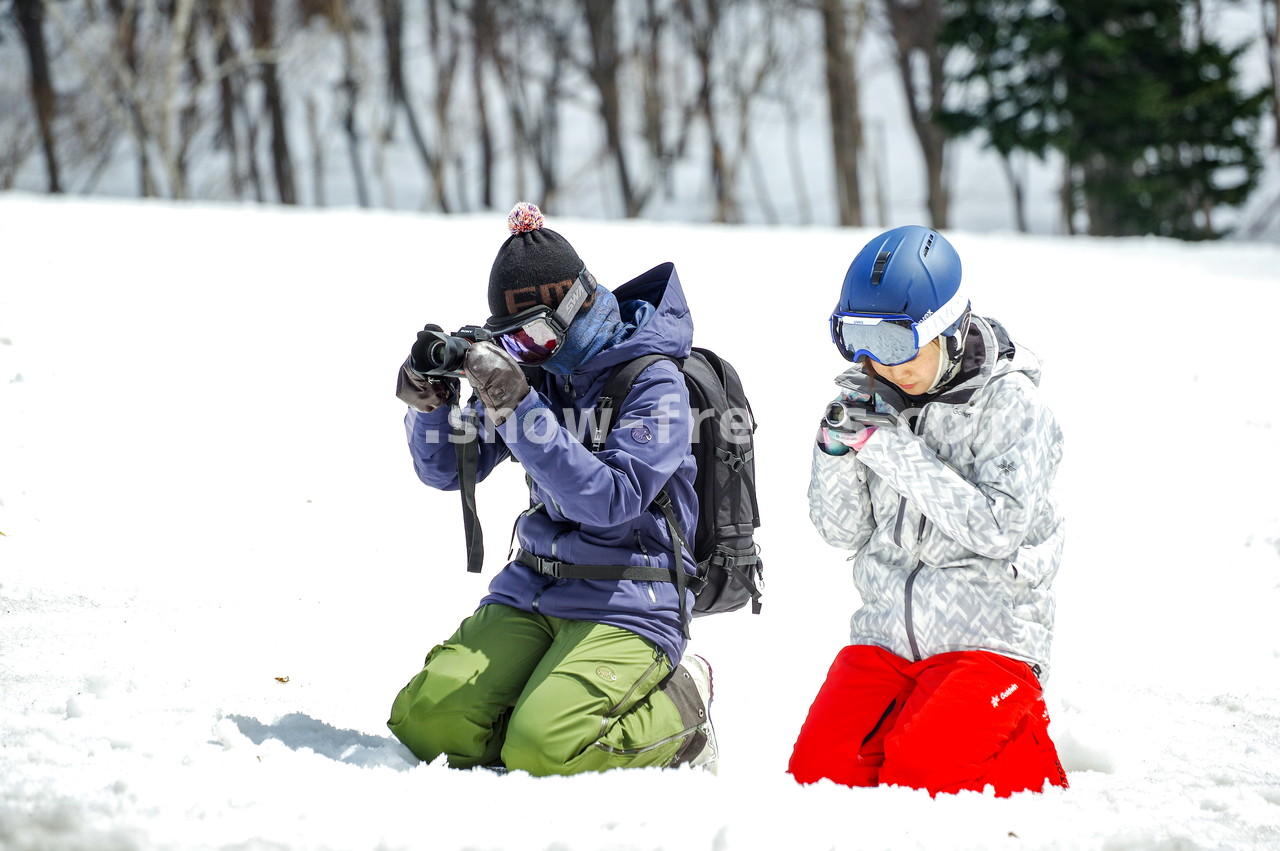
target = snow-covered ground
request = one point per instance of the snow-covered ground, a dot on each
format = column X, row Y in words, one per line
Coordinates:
column 218, row 568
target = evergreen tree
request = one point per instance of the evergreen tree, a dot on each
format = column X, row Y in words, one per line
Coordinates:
column 1155, row 131
column 1004, row 80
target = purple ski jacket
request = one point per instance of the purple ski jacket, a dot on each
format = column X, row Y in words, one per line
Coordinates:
column 590, row 508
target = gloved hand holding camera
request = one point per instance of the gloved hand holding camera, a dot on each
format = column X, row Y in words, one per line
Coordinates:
column 849, row 422
column 417, row 387
column 496, row 378
column 429, row 377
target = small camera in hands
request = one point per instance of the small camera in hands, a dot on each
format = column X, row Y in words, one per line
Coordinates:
column 850, row 415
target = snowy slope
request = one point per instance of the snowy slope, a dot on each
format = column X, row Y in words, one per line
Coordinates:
column 218, row 568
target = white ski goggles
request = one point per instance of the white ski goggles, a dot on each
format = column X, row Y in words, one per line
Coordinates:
column 891, row 338
column 887, row 340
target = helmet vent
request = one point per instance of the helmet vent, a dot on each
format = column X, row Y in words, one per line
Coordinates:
column 928, row 245
column 877, row 271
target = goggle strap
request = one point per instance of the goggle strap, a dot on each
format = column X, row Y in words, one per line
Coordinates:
column 573, row 300
column 935, row 323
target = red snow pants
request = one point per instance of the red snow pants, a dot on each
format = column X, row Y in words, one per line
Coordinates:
column 963, row 720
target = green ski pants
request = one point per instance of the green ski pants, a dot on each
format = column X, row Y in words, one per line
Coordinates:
column 540, row 694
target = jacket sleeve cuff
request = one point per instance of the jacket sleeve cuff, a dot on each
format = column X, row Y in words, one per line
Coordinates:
column 528, row 420
column 431, row 427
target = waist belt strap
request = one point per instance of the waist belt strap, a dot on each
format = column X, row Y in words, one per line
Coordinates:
column 565, row 570
column 636, row 573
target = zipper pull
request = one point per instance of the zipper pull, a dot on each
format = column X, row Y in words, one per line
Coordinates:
column 648, row 586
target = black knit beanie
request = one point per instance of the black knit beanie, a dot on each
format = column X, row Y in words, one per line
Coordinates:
column 532, row 266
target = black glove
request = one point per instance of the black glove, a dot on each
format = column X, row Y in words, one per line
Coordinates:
column 497, row 378
column 424, row 392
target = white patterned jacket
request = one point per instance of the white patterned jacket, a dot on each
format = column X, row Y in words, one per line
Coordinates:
column 956, row 536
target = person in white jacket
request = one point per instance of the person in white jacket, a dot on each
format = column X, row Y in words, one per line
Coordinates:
column 934, row 466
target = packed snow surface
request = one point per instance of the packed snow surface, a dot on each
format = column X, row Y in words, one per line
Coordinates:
column 218, row 568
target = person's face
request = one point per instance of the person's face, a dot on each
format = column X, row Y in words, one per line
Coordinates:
column 916, row 375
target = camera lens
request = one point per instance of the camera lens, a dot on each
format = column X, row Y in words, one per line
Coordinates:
column 447, row 352
column 438, row 352
column 837, row 416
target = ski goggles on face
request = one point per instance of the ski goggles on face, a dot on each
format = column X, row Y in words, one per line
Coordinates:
column 888, row 340
column 532, row 336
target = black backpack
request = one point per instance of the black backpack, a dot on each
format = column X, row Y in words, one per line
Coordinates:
column 730, row 571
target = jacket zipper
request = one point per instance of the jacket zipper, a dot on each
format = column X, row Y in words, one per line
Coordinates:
column 911, row 579
column 648, row 586
column 515, row 527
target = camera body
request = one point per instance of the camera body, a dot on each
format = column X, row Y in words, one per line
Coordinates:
column 441, row 354
column 849, row 415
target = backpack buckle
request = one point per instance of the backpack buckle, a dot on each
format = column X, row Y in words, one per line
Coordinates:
column 735, row 558
column 735, row 462
column 545, row 566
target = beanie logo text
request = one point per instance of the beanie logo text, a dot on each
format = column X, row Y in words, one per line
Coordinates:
column 523, row 298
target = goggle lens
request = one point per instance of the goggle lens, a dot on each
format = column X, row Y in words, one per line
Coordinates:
column 532, row 336
column 532, row 343
column 886, row 340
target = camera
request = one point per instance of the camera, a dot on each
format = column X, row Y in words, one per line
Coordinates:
column 849, row 415
column 438, row 353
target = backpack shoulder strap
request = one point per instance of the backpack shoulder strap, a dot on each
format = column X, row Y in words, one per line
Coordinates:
column 625, row 374
column 616, row 388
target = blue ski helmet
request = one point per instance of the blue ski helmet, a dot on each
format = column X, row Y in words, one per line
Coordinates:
column 901, row 292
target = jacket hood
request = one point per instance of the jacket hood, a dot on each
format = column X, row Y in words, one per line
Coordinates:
column 989, row 353
column 669, row 331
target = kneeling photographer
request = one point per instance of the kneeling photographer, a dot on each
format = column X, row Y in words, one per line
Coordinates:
column 556, row 675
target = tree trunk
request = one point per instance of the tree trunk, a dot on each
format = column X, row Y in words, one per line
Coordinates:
column 603, row 68
column 533, row 95
column 228, row 93
column 264, row 37
column 846, row 121
column 126, row 44
column 915, row 24
column 703, row 21
column 1067, row 197
column 393, row 36
column 30, row 17
column 1019, row 195
column 171, row 116
column 350, row 88
column 1271, row 34
column 483, row 35
column 319, row 198
column 445, row 47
